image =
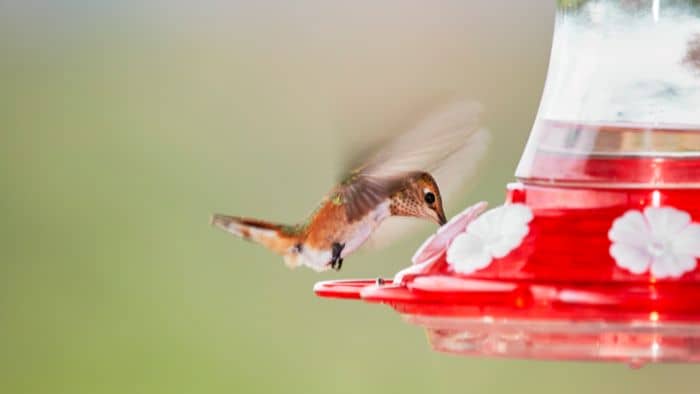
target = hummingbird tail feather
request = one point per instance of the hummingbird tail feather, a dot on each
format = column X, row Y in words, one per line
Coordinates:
column 267, row 234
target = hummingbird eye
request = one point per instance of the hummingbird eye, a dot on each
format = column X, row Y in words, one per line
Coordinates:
column 429, row 198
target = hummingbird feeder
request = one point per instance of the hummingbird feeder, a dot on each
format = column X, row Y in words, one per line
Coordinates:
column 594, row 255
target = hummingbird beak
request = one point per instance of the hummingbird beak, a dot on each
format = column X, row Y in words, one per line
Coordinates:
column 441, row 218
column 438, row 215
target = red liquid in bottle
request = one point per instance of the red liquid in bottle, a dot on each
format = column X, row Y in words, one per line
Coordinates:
column 616, row 156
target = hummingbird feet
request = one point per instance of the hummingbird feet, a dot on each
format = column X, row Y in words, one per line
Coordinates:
column 336, row 260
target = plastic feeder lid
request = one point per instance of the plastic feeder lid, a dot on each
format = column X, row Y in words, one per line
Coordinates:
column 607, row 265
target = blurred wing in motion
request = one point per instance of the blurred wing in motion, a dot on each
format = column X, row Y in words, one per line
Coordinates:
column 448, row 143
column 443, row 132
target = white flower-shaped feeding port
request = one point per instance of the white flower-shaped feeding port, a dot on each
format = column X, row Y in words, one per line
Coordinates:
column 492, row 235
column 662, row 240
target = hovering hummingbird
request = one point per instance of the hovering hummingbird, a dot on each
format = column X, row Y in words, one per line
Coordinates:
column 400, row 179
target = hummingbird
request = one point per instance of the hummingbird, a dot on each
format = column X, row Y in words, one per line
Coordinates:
column 399, row 180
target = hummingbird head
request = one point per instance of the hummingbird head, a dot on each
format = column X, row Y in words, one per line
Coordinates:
column 420, row 197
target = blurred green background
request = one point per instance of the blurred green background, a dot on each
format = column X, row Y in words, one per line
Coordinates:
column 125, row 124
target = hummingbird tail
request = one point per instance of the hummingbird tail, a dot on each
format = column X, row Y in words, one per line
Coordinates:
column 270, row 235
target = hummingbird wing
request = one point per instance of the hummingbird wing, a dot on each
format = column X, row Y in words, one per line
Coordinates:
column 361, row 193
column 442, row 132
column 447, row 142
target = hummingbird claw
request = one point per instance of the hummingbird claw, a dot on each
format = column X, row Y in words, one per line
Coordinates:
column 336, row 260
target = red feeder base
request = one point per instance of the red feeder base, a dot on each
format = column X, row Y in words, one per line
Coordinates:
column 558, row 296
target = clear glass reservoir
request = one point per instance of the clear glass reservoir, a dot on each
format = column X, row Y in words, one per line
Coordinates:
column 621, row 106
